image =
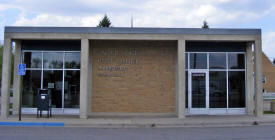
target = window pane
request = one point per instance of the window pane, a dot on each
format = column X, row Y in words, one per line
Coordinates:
column 186, row 89
column 72, row 60
column 31, row 84
column 53, row 82
column 198, row 90
column 217, row 87
column 186, row 60
column 53, row 60
column 236, row 85
column 33, row 59
column 235, row 61
column 71, row 89
column 198, row 61
column 217, row 61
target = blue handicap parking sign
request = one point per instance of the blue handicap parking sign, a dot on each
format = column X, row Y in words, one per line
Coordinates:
column 21, row 69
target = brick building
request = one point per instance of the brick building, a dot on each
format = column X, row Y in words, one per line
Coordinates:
column 135, row 71
column 269, row 75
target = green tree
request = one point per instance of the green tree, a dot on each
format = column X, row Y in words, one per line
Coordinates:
column 105, row 22
column 205, row 25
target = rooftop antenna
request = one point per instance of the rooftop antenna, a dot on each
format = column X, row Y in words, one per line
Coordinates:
column 131, row 20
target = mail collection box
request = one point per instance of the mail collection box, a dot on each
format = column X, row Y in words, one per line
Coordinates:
column 44, row 102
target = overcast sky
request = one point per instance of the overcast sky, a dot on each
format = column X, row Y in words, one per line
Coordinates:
column 146, row 13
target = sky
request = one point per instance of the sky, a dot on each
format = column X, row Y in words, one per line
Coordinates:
column 258, row 14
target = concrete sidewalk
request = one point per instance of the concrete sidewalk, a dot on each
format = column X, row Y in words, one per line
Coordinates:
column 189, row 121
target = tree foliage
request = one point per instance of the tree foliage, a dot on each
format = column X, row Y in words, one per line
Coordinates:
column 105, row 22
column 205, row 25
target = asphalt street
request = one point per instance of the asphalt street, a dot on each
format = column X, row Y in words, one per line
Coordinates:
column 196, row 133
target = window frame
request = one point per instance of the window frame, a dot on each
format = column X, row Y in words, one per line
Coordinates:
column 227, row 70
column 42, row 69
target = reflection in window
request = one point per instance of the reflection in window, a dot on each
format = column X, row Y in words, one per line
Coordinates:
column 236, row 87
column 71, row 89
column 53, row 81
column 217, row 61
column 236, row 61
column 198, row 61
column 72, row 60
column 33, row 59
column 53, row 78
column 53, row 60
column 186, row 61
column 198, row 90
column 217, row 87
column 31, row 85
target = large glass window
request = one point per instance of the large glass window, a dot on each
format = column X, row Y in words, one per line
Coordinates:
column 217, row 61
column 53, row 60
column 71, row 89
column 198, row 61
column 72, row 60
column 60, row 74
column 236, row 87
column 31, row 84
column 226, row 79
column 236, row 61
column 33, row 59
column 217, row 89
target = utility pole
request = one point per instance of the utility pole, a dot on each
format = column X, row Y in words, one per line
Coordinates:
column 132, row 21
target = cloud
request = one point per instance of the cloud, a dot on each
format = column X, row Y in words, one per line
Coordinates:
column 150, row 13
column 55, row 20
column 146, row 13
column 72, row 7
column 269, row 44
column 4, row 7
column 182, row 13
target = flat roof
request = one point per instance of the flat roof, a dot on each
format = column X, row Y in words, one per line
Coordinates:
column 135, row 30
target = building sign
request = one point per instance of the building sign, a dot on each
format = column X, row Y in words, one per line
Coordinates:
column 133, row 76
column 21, row 69
column 113, row 62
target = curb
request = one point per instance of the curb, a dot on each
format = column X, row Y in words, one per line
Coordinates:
column 137, row 124
column 48, row 124
column 161, row 125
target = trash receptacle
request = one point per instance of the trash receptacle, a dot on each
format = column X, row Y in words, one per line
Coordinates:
column 43, row 102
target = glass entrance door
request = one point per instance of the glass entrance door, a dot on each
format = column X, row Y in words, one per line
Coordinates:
column 198, row 92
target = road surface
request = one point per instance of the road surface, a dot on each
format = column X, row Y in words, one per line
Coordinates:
column 76, row 133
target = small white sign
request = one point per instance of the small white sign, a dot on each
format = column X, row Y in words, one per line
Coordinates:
column 43, row 97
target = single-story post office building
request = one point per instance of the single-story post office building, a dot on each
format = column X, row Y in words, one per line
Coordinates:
column 114, row 71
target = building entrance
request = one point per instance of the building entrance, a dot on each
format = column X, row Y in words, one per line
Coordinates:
column 199, row 92
column 215, row 83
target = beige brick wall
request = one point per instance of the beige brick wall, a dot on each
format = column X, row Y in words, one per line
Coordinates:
column 133, row 76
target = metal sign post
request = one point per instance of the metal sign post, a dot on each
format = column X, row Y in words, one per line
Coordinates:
column 21, row 72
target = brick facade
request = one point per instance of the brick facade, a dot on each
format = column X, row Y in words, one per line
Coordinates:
column 269, row 73
column 133, row 76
